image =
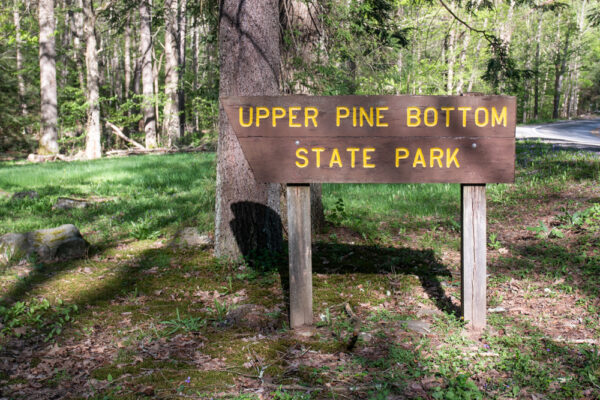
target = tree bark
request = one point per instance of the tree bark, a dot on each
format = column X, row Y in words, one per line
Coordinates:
column 247, row 212
column 147, row 78
column 93, row 147
column 171, row 108
column 49, row 105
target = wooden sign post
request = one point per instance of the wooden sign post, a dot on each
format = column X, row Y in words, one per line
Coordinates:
column 385, row 139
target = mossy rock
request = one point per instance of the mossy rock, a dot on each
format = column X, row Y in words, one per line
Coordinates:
column 63, row 242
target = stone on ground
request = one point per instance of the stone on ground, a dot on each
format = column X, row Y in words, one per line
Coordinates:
column 65, row 203
column 64, row 242
column 32, row 194
column 189, row 237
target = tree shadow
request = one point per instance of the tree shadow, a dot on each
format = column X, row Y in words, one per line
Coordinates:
column 341, row 258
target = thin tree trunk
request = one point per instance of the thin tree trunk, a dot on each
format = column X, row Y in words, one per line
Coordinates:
column 19, row 56
column 146, row 71
column 77, row 32
column 560, row 67
column 171, row 108
column 182, row 22
column 247, row 212
column 536, row 90
column 195, row 49
column 156, row 67
column 127, row 58
column 477, row 50
column 49, row 106
column 462, row 62
column 451, row 60
column 93, row 147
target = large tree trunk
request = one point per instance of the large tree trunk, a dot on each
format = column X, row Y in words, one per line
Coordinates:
column 49, row 106
column 147, row 79
column 171, row 108
column 247, row 212
column 19, row 56
column 93, row 147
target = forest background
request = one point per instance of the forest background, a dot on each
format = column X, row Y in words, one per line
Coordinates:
column 130, row 72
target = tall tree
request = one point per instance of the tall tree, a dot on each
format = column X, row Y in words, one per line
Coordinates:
column 19, row 58
column 49, row 104
column 247, row 212
column 147, row 76
column 171, row 109
column 93, row 147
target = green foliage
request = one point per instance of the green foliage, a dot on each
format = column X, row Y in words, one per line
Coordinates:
column 28, row 318
column 459, row 388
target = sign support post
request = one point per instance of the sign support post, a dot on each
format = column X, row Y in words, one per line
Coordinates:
column 300, row 254
column 473, row 256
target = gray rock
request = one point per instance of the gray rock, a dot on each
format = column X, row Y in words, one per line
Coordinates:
column 249, row 316
column 421, row 327
column 189, row 237
column 32, row 194
column 65, row 203
column 63, row 242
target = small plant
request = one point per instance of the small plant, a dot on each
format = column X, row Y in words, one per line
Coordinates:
column 189, row 324
column 338, row 213
column 27, row 318
column 494, row 243
column 220, row 311
column 541, row 231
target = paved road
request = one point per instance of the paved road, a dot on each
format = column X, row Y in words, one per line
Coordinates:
column 580, row 133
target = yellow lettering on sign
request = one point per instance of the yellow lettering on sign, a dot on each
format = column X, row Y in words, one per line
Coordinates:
column 447, row 110
column 402, row 156
column 499, row 119
column 413, row 116
column 378, row 111
column 261, row 113
column 419, row 159
column 429, row 110
column 369, row 118
column 464, row 111
column 315, row 113
column 339, row 115
column 367, row 157
column 451, row 158
column 302, row 157
column 335, row 159
column 352, row 151
column 435, row 154
column 278, row 113
column 242, row 123
column 354, row 116
column 293, row 116
column 318, row 151
column 486, row 114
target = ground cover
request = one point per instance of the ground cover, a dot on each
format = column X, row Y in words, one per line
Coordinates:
column 143, row 318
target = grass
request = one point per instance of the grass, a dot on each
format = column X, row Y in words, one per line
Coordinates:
column 140, row 318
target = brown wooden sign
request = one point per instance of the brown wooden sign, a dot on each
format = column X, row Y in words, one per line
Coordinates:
column 379, row 139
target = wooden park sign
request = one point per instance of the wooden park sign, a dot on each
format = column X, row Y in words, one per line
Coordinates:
column 380, row 139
